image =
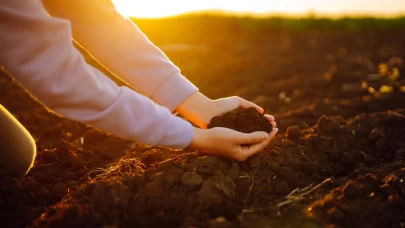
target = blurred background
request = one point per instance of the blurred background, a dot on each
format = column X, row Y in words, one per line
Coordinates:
column 155, row 8
column 297, row 59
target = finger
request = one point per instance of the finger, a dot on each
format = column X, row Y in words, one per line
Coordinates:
column 269, row 117
column 262, row 145
column 247, row 151
column 252, row 138
column 247, row 104
column 273, row 134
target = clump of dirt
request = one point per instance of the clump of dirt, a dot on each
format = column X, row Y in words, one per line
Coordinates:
column 328, row 125
column 183, row 191
column 293, row 132
column 381, row 190
column 152, row 156
column 242, row 120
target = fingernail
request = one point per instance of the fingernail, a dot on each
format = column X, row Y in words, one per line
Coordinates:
column 264, row 136
column 276, row 129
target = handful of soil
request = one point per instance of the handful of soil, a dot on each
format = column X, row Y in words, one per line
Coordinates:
column 242, row 120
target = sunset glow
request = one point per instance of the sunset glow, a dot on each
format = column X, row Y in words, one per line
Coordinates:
column 160, row 8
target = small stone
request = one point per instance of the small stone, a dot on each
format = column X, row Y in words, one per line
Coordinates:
column 375, row 134
column 346, row 159
column 293, row 132
column 152, row 156
column 396, row 201
column 191, row 179
column 327, row 124
column 207, row 161
column 400, row 154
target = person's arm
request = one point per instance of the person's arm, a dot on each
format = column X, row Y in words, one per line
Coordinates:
column 38, row 51
column 118, row 44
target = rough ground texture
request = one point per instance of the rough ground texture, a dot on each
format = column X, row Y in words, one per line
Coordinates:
column 242, row 120
column 340, row 163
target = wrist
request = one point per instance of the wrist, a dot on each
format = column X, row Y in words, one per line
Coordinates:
column 197, row 138
column 197, row 108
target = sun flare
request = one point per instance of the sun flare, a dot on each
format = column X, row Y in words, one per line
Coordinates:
column 161, row 8
column 151, row 8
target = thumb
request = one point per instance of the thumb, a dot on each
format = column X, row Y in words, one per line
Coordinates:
column 252, row 138
column 247, row 104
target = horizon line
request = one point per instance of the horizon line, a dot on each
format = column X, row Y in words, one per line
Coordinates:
column 306, row 14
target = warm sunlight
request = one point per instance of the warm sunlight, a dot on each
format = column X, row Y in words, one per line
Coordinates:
column 159, row 8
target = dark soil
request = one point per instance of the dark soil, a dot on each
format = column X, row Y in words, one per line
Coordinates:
column 243, row 120
column 338, row 160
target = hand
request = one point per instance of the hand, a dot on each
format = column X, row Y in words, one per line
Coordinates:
column 229, row 143
column 199, row 109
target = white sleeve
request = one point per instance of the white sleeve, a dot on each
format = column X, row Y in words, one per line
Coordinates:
column 118, row 44
column 38, row 51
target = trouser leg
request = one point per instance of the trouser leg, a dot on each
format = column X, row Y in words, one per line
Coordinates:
column 17, row 147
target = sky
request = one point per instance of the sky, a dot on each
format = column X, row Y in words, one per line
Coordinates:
column 163, row 8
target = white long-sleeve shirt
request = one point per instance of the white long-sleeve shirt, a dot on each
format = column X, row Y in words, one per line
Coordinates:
column 37, row 49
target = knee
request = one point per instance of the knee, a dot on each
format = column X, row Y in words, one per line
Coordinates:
column 17, row 147
column 26, row 156
column 19, row 155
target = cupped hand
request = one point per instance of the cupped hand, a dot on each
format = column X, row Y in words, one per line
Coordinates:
column 199, row 109
column 230, row 143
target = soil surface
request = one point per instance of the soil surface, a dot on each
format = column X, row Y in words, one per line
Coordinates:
column 337, row 161
column 243, row 120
